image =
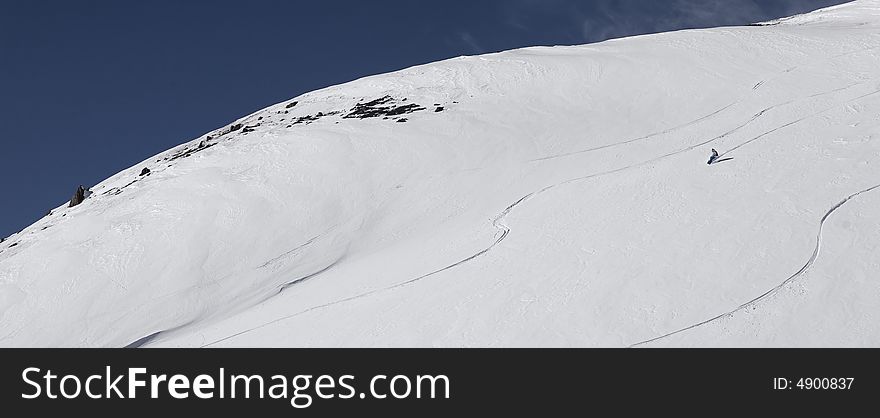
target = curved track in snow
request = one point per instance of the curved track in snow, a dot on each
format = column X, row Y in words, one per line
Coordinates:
column 772, row 291
column 616, row 144
column 718, row 111
column 504, row 230
column 799, row 120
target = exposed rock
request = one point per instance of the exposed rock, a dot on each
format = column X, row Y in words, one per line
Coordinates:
column 186, row 152
column 78, row 196
column 400, row 110
column 291, row 104
column 306, row 119
column 381, row 107
column 370, row 109
column 438, row 109
column 145, row 172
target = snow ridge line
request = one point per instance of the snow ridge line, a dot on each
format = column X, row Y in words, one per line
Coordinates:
column 496, row 222
column 281, row 288
column 290, row 252
column 213, row 282
column 775, row 289
column 287, row 285
column 298, row 248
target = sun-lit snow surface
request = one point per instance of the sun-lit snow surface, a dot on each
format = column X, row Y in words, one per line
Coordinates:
column 560, row 198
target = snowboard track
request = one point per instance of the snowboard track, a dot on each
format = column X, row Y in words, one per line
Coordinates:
column 778, row 287
column 504, row 230
column 716, row 112
column 649, row 136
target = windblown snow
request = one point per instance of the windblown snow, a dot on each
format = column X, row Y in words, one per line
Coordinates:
column 548, row 196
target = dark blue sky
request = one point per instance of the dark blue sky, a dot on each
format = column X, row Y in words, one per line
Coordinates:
column 88, row 88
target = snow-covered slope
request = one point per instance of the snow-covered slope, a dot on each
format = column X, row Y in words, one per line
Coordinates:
column 537, row 197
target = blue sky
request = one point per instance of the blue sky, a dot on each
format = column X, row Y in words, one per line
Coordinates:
column 88, row 88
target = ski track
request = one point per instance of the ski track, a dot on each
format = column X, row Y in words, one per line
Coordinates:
column 701, row 119
column 798, row 67
column 504, row 230
column 775, row 289
column 498, row 223
column 666, row 131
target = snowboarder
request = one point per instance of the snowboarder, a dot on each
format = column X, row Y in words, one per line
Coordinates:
column 713, row 157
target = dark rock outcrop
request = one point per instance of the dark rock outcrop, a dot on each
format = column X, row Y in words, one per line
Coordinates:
column 187, row 151
column 384, row 107
column 307, row 119
column 402, row 110
column 78, row 196
column 145, row 172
